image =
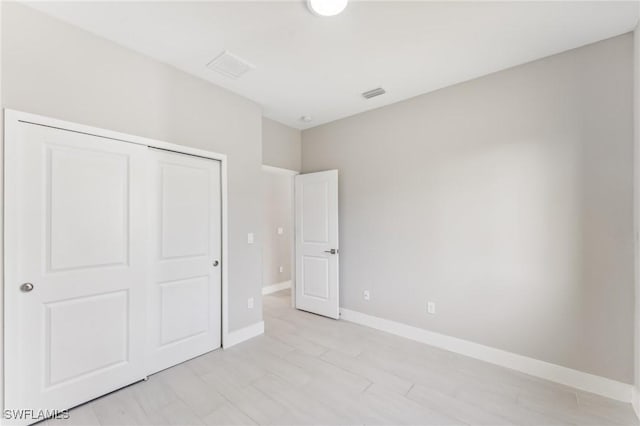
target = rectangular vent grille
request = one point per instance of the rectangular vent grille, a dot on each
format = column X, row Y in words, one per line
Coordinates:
column 230, row 65
column 373, row 93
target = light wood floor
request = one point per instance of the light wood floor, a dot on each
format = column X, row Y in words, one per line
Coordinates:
column 308, row 370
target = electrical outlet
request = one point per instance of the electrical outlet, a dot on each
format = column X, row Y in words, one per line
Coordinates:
column 250, row 238
column 280, row 231
column 366, row 295
column 281, row 269
column 250, row 303
column 431, row 308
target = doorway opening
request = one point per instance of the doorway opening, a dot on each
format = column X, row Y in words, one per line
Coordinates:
column 278, row 262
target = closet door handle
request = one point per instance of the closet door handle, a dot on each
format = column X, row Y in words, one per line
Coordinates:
column 216, row 262
column 26, row 287
column 332, row 251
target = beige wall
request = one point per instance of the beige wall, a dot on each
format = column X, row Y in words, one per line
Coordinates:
column 282, row 148
column 507, row 200
column 57, row 70
column 281, row 145
column 278, row 213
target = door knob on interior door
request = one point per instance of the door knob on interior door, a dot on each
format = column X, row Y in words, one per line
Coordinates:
column 332, row 251
column 216, row 263
column 26, row 287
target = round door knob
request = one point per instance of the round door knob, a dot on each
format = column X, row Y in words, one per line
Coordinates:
column 26, row 287
column 216, row 263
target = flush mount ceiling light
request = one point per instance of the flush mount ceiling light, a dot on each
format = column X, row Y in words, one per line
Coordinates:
column 326, row 7
column 306, row 119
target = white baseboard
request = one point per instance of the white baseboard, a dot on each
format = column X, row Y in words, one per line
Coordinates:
column 534, row 367
column 276, row 287
column 239, row 336
column 635, row 400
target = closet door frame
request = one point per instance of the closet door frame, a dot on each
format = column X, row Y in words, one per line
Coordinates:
column 12, row 123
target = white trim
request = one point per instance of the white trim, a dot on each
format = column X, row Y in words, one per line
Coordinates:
column 2, row 157
column 636, row 213
column 268, row 289
column 279, row 170
column 12, row 119
column 246, row 333
column 534, row 367
column 224, row 262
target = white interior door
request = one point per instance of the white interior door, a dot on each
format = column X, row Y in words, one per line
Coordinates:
column 76, row 262
column 185, row 289
column 317, row 249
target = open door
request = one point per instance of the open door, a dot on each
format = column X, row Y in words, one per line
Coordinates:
column 317, row 250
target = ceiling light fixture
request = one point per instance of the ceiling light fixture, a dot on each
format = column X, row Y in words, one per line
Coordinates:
column 306, row 119
column 326, row 7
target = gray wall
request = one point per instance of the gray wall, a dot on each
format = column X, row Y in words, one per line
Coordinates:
column 281, row 145
column 57, row 70
column 278, row 213
column 507, row 200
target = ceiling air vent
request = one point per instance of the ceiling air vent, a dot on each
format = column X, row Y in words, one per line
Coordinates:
column 230, row 65
column 373, row 93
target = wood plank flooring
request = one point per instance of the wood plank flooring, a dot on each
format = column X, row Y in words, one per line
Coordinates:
column 310, row 370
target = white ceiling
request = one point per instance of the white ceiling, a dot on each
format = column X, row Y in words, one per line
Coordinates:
column 309, row 65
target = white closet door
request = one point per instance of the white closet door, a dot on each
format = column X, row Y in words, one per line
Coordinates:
column 76, row 262
column 185, row 289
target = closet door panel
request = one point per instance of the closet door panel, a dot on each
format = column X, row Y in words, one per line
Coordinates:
column 185, row 289
column 76, row 266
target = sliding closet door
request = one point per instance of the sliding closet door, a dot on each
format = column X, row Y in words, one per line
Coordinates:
column 76, row 265
column 185, row 286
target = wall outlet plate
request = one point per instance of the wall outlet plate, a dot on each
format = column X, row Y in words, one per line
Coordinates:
column 366, row 295
column 250, row 303
column 250, row 238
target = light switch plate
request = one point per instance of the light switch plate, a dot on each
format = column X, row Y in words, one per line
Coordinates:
column 250, row 303
column 280, row 231
column 281, row 269
column 431, row 308
column 250, row 238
